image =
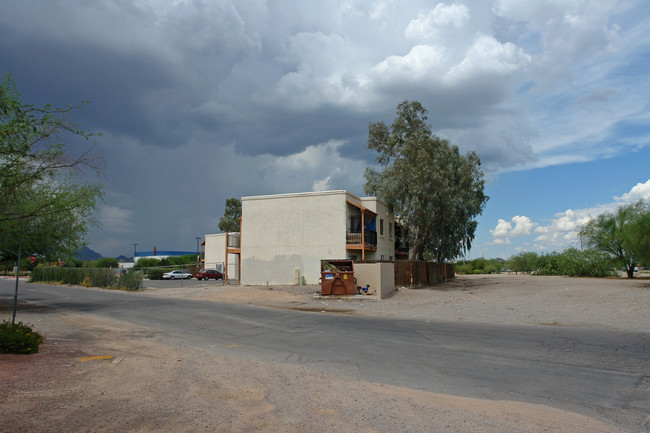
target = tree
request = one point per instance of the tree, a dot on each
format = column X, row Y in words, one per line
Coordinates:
column 44, row 207
column 435, row 192
column 624, row 235
column 107, row 262
column 523, row 262
column 230, row 221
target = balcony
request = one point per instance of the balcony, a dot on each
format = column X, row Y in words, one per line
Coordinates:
column 233, row 240
column 353, row 240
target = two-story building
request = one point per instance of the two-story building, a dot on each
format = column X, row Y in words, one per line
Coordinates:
column 285, row 236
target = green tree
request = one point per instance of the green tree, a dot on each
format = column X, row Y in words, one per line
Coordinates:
column 434, row 191
column 44, row 207
column 230, row 221
column 523, row 262
column 147, row 263
column 107, row 262
column 624, row 235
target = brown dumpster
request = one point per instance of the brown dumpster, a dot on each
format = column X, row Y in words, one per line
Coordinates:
column 337, row 277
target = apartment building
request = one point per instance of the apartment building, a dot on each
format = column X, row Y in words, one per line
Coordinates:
column 285, row 236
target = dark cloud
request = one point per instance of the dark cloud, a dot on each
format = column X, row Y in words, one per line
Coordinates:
column 201, row 101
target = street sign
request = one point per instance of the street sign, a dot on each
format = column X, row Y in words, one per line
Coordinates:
column 32, row 258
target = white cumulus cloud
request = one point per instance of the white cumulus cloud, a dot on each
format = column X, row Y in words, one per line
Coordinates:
column 427, row 25
column 563, row 229
column 505, row 230
column 641, row 191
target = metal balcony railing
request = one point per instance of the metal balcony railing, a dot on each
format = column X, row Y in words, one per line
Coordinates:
column 370, row 238
column 233, row 240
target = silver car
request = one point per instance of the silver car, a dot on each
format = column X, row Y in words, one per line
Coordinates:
column 181, row 274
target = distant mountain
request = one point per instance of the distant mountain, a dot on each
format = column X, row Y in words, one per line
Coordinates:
column 86, row 253
column 124, row 259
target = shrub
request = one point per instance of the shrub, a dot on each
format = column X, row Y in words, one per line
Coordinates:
column 524, row 262
column 18, row 338
column 155, row 273
column 479, row 266
column 91, row 277
column 130, row 280
column 576, row 263
column 463, row 268
column 147, row 263
column 107, row 262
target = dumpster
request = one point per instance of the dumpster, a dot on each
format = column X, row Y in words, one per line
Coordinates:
column 337, row 277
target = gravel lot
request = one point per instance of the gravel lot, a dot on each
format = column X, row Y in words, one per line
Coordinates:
column 150, row 386
column 497, row 299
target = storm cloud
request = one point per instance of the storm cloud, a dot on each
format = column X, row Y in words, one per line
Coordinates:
column 199, row 101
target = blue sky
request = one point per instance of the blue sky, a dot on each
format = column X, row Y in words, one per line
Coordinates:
column 199, row 101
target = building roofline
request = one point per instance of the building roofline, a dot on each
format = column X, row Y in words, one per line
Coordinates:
column 298, row 194
column 312, row 194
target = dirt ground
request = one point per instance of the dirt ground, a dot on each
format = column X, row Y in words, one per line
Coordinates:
column 97, row 375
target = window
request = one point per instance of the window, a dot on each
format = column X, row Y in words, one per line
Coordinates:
column 381, row 227
column 355, row 223
column 390, row 230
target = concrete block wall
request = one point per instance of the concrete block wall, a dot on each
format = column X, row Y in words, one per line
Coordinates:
column 380, row 276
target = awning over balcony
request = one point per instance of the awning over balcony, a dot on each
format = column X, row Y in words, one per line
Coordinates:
column 366, row 239
column 361, row 208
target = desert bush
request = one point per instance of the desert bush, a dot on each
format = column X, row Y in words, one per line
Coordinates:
column 90, row 277
column 130, row 280
column 187, row 259
column 147, row 263
column 479, row 266
column 576, row 263
column 18, row 338
column 155, row 273
column 523, row 262
column 107, row 262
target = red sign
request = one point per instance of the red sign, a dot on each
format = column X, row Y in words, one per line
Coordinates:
column 32, row 258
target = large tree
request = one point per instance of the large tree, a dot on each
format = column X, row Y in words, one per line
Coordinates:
column 230, row 221
column 45, row 207
column 435, row 192
column 624, row 235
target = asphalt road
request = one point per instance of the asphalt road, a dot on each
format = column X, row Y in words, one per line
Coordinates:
column 597, row 372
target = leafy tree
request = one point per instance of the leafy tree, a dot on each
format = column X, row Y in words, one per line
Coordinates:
column 624, row 235
column 107, row 262
column 479, row 266
column 230, row 221
column 434, row 191
column 187, row 259
column 523, row 262
column 147, row 262
column 44, row 207
column 575, row 263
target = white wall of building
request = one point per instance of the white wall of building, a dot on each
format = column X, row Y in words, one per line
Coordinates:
column 285, row 232
column 215, row 255
column 385, row 238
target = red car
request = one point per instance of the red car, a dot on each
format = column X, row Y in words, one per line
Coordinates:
column 207, row 274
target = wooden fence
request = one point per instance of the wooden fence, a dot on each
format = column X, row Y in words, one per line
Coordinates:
column 411, row 273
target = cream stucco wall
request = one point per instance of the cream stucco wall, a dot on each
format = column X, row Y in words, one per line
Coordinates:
column 285, row 232
column 385, row 241
column 215, row 255
column 379, row 276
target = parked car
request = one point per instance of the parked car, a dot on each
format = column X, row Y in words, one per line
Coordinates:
column 207, row 274
column 181, row 274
